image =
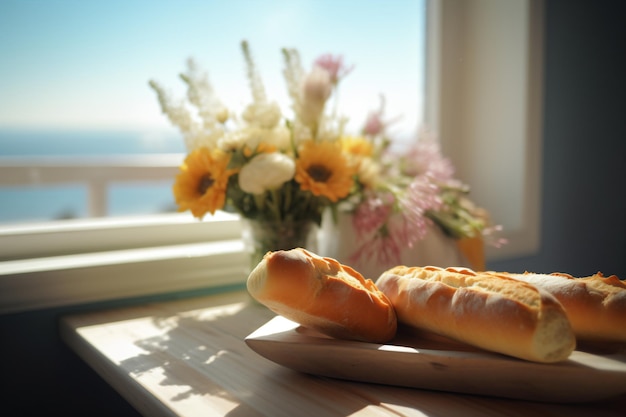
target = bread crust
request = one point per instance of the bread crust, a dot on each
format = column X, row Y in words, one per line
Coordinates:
column 595, row 305
column 495, row 313
column 322, row 294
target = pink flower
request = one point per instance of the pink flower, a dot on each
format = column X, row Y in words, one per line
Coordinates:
column 371, row 223
column 334, row 65
column 374, row 124
column 372, row 214
column 317, row 86
column 421, row 196
column 385, row 231
column 387, row 225
column 425, row 157
column 384, row 250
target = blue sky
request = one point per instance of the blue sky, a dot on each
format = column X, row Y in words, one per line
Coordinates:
column 86, row 64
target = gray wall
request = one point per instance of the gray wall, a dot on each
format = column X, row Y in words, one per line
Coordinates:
column 584, row 141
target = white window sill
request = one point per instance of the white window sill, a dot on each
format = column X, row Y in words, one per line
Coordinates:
column 73, row 262
column 84, row 278
column 98, row 260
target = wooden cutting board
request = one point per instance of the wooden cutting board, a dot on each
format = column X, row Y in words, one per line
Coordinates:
column 427, row 361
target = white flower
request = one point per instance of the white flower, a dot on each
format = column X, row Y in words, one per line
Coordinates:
column 252, row 137
column 234, row 140
column 265, row 115
column 280, row 137
column 369, row 172
column 196, row 138
column 266, row 171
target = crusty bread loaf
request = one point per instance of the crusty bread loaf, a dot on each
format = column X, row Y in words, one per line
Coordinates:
column 491, row 312
column 595, row 305
column 322, row 294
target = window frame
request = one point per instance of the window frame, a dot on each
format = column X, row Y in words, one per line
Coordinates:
column 461, row 113
column 73, row 262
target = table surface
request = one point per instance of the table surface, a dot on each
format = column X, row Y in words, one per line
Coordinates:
column 188, row 358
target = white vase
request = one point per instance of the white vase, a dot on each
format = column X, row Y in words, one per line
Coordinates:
column 339, row 241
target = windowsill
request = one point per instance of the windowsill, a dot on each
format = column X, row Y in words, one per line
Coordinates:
column 89, row 277
column 103, row 260
column 75, row 236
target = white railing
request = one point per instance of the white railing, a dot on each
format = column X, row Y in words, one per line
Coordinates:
column 97, row 173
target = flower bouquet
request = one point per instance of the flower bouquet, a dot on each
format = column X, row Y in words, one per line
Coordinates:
column 282, row 170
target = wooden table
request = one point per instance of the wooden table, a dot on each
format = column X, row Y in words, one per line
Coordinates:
column 188, row 358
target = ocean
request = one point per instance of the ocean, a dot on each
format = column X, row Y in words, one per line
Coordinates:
column 32, row 203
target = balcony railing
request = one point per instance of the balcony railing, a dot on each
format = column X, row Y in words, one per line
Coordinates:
column 97, row 173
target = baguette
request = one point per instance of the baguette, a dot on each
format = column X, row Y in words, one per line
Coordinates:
column 595, row 305
column 494, row 313
column 322, row 294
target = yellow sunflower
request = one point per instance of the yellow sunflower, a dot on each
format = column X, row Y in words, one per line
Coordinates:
column 357, row 146
column 202, row 181
column 262, row 147
column 323, row 169
column 359, row 152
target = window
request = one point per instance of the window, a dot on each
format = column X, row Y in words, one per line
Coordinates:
column 76, row 95
column 76, row 103
column 466, row 65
